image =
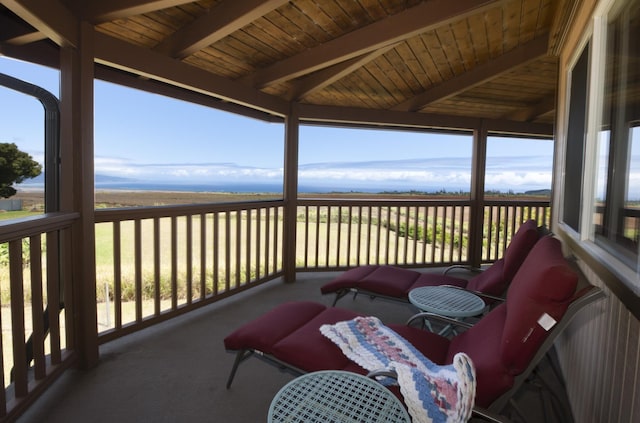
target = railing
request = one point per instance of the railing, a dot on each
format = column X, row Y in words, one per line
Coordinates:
column 345, row 233
column 157, row 262
column 336, row 234
column 35, row 260
column 502, row 219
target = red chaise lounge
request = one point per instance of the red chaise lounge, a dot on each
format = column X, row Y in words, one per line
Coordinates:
column 395, row 282
column 504, row 346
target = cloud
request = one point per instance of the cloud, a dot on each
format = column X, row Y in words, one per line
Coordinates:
column 180, row 172
column 518, row 173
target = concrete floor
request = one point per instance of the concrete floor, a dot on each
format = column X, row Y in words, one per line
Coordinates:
column 177, row 371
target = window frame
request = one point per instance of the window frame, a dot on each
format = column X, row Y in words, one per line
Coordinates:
column 595, row 34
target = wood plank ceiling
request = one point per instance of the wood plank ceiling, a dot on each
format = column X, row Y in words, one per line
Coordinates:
column 490, row 59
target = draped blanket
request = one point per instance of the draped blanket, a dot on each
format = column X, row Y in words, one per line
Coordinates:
column 432, row 393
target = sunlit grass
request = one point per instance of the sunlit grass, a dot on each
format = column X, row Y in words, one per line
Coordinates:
column 8, row 215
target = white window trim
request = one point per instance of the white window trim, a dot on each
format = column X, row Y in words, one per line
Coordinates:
column 596, row 32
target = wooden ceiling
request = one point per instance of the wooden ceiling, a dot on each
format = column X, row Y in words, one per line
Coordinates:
column 450, row 58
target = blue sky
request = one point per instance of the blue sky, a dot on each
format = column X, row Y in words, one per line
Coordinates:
column 150, row 138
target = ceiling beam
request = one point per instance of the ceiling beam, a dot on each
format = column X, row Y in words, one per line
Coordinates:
column 98, row 11
column 51, row 18
column 325, row 77
column 386, row 118
column 17, row 32
column 222, row 20
column 484, row 72
column 563, row 18
column 528, row 114
column 29, row 38
column 153, row 86
column 42, row 53
column 395, row 28
column 121, row 55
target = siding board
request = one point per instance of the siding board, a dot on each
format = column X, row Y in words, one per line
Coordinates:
column 599, row 356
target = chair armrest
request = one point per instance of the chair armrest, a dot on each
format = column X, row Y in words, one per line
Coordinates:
column 487, row 415
column 482, row 295
column 462, row 266
column 478, row 412
column 436, row 317
column 375, row 374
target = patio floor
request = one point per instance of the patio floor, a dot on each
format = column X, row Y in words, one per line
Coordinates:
column 177, row 371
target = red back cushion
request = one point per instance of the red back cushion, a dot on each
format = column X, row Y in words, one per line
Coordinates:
column 521, row 244
column 491, row 281
column 482, row 344
column 542, row 289
column 496, row 279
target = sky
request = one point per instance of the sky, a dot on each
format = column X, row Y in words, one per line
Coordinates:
column 146, row 138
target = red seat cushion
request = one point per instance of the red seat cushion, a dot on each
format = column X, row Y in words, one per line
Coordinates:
column 348, row 279
column 389, row 280
column 308, row 349
column 431, row 345
column 436, row 279
column 262, row 333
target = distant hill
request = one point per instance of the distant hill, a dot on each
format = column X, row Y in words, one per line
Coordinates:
column 103, row 179
column 99, row 179
column 539, row 192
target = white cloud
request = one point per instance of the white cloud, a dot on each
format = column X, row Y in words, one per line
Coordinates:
column 452, row 173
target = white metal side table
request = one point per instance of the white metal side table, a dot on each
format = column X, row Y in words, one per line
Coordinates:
column 336, row 396
column 447, row 301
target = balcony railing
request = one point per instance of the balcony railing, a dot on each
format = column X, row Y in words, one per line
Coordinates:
column 155, row 263
column 337, row 234
column 37, row 306
column 502, row 219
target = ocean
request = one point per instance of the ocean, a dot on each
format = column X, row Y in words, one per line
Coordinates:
column 248, row 188
column 237, row 187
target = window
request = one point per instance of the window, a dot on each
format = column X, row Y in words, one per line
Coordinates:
column 576, row 133
column 28, row 119
column 616, row 222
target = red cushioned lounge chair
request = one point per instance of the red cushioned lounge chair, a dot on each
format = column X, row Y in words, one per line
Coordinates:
column 505, row 345
column 394, row 283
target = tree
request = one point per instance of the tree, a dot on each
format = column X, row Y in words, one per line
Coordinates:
column 15, row 167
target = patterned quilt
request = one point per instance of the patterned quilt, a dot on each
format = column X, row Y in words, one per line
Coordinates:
column 432, row 393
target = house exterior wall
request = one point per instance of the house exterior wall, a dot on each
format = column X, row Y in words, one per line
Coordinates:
column 599, row 356
column 600, row 352
column 10, row 205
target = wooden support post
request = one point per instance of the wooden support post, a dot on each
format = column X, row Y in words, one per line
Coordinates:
column 478, row 169
column 77, row 168
column 291, row 135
